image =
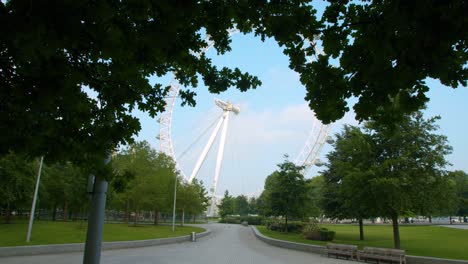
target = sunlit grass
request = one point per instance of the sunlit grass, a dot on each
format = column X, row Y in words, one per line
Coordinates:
column 432, row 241
column 49, row 232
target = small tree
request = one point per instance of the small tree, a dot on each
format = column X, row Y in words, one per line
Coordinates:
column 286, row 192
column 410, row 159
column 314, row 192
column 16, row 182
column 226, row 207
column 253, row 206
column 460, row 180
column 346, row 190
column 241, row 205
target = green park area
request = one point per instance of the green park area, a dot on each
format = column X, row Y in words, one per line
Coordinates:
column 48, row 232
column 431, row 241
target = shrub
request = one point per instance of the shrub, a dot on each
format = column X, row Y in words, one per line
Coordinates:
column 252, row 220
column 295, row 227
column 230, row 220
column 327, row 235
column 292, row 227
column 313, row 231
column 275, row 227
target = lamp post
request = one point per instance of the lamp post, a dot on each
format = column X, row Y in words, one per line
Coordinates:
column 92, row 251
column 174, row 207
column 33, row 207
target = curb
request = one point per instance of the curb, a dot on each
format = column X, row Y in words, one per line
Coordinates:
column 79, row 247
column 289, row 245
column 321, row 250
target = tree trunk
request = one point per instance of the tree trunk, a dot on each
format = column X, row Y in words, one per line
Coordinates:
column 182, row 221
column 193, row 218
column 396, row 231
column 65, row 211
column 135, row 219
column 127, row 212
column 54, row 212
column 286, row 225
column 361, row 229
column 430, row 219
column 450, row 219
column 8, row 214
column 156, row 217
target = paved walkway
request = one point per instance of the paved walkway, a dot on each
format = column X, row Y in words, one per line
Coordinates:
column 227, row 244
column 457, row 226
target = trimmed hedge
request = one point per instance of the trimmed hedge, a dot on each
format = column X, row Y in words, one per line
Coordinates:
column 251, row 220
column 327, row 235
column 230, row 220
column 292, row 227
column 322, row 234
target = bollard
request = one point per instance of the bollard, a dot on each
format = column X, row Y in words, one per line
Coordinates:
column 193, row 237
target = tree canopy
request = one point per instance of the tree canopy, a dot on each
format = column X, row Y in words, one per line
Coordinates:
column 285, row 193
column 72, row 72
column 388, row 170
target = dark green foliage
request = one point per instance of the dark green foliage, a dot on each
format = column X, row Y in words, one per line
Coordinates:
column 321, row 234
column 460, row 182
column 326, row 235
column 230, row 220
column 252, row 220
column 241, row 205
column 291, row 227
column 17, row 175
column 227, row 205
column 313, row 231
column 345, row 188
column 253, row 206
column 386, row 51
column 315, row 187
column 285, row 193
column 65, row 188
column 52, row 52
column 388, row 170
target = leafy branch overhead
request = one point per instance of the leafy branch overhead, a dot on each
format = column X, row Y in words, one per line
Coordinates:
column 71, row 72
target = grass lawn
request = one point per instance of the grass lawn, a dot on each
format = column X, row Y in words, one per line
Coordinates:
column 48, row 232
column 432, row 241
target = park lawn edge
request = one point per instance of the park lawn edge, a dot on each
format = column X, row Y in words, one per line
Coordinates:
column 457, row 252
column 44, row 233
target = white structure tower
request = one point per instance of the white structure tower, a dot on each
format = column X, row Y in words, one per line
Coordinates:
column 223, row 121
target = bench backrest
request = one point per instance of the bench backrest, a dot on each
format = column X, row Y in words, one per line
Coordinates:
column 342, row 247
column 384, row 251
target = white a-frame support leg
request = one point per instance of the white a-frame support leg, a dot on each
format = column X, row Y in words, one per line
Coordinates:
column 207, row 148
column 219, row 161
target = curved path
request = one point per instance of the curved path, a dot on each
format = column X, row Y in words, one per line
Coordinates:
column 227, row 244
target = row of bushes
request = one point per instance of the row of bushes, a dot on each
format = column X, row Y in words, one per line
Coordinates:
column 293, row 227
column 311, row 230
column 251, row 220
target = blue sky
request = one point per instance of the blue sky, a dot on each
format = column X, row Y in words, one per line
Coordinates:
column 275, row 120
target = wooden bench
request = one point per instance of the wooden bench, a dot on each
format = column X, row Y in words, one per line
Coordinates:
column 339, row 250
column 382, row 255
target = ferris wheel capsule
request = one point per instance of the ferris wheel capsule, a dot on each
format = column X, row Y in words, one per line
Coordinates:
column 319, row 163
